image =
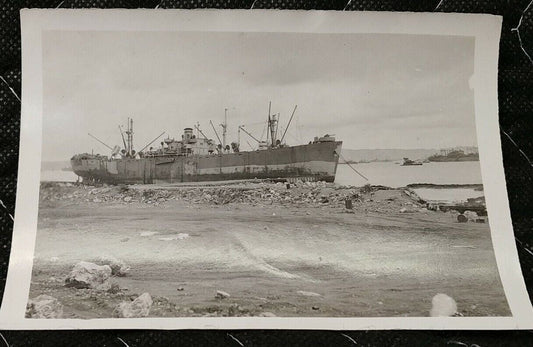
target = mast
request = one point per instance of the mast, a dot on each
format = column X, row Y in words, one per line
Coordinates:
column 290, row 119
column 200, row 131
column 268, row 120
column 131, row 136
column 129, row 132
column 215, row 130
column 163, row 133
column 122, row 135
column 224, row 127
column 247, row 133
column 273, row 129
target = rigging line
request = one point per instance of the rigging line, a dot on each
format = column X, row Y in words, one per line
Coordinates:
column 351, row 167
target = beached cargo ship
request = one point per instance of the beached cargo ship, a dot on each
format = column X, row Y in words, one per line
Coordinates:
column 197, row 158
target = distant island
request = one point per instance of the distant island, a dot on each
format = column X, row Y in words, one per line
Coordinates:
column 358, row 156
column 454, row 155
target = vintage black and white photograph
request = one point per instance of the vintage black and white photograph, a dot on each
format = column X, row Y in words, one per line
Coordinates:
column 191, row 173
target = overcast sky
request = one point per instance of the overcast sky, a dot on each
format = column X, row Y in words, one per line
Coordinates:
column 371, row 91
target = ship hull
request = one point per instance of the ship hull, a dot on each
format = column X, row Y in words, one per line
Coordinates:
column 315, row 161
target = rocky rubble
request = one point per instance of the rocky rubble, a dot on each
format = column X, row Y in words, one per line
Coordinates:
column 89, row 275
column 255, row 193
column 118, row 267
column 44, row 306
column 138, row 308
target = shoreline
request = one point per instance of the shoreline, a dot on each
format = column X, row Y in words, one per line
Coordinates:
column 265, row 245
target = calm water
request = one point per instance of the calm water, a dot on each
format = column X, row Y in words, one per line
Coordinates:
column 387, row 174
column 394, row 175
column 58, row 176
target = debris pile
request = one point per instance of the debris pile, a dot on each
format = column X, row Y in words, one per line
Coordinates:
column 302, row 194
column 44, row 306
column 118, row 267
column 266, row 193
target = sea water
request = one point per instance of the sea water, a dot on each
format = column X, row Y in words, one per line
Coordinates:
column 393, row 174
column 388, row 174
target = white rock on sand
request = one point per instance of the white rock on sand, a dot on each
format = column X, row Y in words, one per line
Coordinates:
column 118, row 267
column 304, row 293
column 267, row 314
column 148, row 233
column 180, row 236
column 89, row 275
column 44, row 306
column 443, row 306
column 140, row 307
column 221, row 295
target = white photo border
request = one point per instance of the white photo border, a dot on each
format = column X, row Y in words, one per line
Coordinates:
column 484, row 28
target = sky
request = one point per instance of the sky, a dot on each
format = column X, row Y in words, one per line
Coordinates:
column 369, row 90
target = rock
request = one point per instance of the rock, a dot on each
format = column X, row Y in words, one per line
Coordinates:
column 315, row 308
column 267, row 314
column 221, row 295
column 140, row 307
column 89, row 275
column 443, row 306
column 114, row 288
column 126, row 239
column 304, row 293
column 128, row 198
column 118, row 267
column 97, row 200
column 44, row 306
column 180, row 289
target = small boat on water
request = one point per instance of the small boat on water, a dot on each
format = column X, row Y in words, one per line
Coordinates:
column 409, row 162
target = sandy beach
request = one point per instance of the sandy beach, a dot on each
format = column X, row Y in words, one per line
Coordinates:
column 275, row 250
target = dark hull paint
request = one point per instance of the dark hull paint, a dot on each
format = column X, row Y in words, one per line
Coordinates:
column 317, row 161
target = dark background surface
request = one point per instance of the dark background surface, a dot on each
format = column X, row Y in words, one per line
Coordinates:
column 515, row 111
